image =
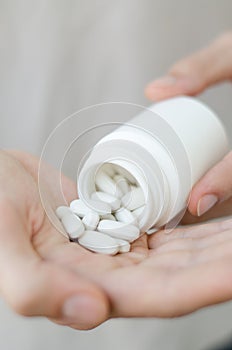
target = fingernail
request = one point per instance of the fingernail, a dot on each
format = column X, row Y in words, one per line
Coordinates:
column 206, row 203
column 164, row 81
column 79, row 309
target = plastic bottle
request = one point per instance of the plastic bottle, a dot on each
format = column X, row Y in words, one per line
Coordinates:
column 166, row 148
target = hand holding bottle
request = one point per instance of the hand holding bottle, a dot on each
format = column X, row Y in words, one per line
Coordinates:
column 190, row 76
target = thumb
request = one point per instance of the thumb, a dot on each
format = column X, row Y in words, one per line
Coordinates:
column 213, row 188
column 33, row 286
column 193, row 74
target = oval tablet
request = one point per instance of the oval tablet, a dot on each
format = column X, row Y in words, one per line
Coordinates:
column 73, row 225
column 124, row 246
column 78, row 207
column 138, row 212
column 122, row 183
column 108, row 217
column 99, row 242
column 91, row 220
column 100, row 207
column 114, row 202
column 62, row 211
column 133, row 199
column 106, row 184
column 125, row 215
column 119, row 230
column 130, row 178
column 81, row 209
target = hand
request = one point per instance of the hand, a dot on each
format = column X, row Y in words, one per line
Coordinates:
column 30, row 283
column 164, row 275
column 42, row 273
column 190, row 76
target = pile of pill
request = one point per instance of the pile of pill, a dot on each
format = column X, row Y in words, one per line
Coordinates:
column 109, row 223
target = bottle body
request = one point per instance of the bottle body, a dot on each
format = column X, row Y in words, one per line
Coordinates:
column 166, row 148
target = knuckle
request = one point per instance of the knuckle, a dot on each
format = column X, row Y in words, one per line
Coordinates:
column 189, row 66
column 182, row 67
column 192, row 68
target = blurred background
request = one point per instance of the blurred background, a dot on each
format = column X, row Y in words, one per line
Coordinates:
column 60, row 56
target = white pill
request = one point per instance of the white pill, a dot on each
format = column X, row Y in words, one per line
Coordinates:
column 124, row 246
column 125, row 215
column 99, row 242
column 108, row 217
column 81, row 209
column 100, row 207
column 152, row 230
column 78, row 207
column 108, row 169
column 62, row 211
column 119, row 230
column 133, row 199
column 106, row 184
column 73, row 225
column 126, row 175
column 91, row 220
column 138, row 212
column 122, row 183
column 106, row 198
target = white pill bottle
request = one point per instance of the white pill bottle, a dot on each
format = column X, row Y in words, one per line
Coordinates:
column 166, row 148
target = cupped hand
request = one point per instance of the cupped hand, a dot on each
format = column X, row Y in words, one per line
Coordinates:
column 42, row 273
column 179, row 273
column 32, row 284
column 212, row 196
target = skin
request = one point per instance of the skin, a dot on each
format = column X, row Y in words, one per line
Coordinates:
column 164, row 275
column 191, row 76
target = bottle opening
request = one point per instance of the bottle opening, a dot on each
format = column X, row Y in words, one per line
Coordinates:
column 120, row 184
column 116, row 180
column 134, row 178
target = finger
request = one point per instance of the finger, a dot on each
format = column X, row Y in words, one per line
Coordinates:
column 197, row 287
column 151, row 291
column 193, row 74
column 32, row 286
column 217, row 211
column 214, row 188
column 192, row 244
column 188, row 232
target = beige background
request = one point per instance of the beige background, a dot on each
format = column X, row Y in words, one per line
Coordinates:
column 60, row 56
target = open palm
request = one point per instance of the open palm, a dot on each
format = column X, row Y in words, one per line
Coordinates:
column 45, row 274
